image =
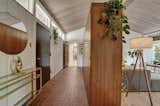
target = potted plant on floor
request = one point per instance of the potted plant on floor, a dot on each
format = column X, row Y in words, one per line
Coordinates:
column 132, row 54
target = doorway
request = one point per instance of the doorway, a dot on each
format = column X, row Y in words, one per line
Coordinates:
column 73, row 55
column 65, row 55
column 43, row 53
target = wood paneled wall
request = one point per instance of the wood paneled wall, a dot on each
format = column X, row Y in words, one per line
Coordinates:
column 104, row 74
column 12, row 41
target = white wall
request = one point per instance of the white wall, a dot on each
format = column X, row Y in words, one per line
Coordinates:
column 80, row 57
column 28, row 55
column 75, row 36
column 56, row 57
column 20, row 26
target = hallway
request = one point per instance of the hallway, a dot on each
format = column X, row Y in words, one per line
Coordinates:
column 65, row 89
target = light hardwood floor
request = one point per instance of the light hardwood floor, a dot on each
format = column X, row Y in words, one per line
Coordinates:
column 140, row 99
column 67, row 89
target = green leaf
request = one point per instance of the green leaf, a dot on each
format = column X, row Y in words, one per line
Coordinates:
column 124, row 41
column 115, row 28
column 125, row 17
column 129, row 52
column 100, row 21
column 122, row 20
column 104, row 14
column 136, row 53
column 108, row 22
column 112, row 17
column 126, row 26
column 121, row 1
column 125, row 21
column 106, row 4
column 126, row 31
column 111, row 10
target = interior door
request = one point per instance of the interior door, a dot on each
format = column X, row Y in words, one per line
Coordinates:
column 65, row 55
column 43, row 53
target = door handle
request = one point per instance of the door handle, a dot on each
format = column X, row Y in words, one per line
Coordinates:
column 38, row 58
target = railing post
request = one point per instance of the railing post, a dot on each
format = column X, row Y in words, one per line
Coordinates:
column 32, row 83
column 40, row 78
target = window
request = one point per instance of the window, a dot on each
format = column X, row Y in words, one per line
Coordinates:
column 63, row 36
column 59, row 32
column 42, row 16
column 156, row 47
column 27, row 4
column 54, row 24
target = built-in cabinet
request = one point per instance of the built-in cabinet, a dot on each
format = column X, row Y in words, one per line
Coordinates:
column 102, row 59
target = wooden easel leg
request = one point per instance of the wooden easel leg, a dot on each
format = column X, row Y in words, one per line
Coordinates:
column 147, row 80
column 132, row 75
column 139, row 79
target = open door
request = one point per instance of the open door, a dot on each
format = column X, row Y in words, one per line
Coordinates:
column 43, row 53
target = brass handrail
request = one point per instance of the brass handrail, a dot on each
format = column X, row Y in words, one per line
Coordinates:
column 37, row 69
column 21, row 73
column 28, row 94
column 3, row 96
column 20, row 78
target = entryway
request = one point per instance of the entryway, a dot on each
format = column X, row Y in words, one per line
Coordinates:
column 43, row 52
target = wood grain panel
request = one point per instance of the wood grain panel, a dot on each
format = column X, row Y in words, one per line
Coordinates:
column 86, row 72
column 105, row 64
column 12, row 41
column 86, row 57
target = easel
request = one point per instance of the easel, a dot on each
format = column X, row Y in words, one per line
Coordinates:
column 140, row 57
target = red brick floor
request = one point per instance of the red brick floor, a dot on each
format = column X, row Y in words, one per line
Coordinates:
column 65, row 89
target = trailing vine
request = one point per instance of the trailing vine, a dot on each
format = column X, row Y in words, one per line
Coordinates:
column 112, row 19
column 55, row 35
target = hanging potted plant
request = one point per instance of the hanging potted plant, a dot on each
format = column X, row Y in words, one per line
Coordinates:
column 55, row 35
column 112, row 19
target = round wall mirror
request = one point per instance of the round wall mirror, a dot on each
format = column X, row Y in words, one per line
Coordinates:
column 13, row 34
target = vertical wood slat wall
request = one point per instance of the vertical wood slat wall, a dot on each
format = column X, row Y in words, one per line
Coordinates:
column 103, row 74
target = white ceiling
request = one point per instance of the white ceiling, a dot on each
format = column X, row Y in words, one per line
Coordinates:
column 144, row 15
column 70, row 14
column 75, row 36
